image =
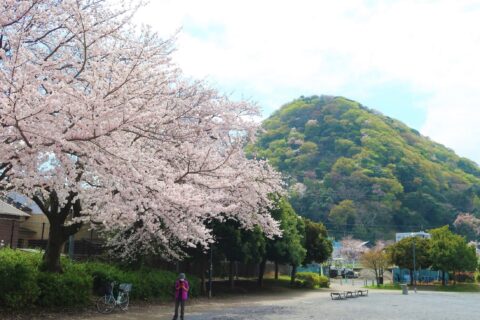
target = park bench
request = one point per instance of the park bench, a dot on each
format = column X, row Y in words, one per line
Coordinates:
column 337, row 295
column 362, row 293
column 350, row 294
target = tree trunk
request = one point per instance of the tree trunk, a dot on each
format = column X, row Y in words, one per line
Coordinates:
column 231, row 279
column 51, row 257
column 276, row 270
column 261, row 272
column 443, row 278
column 293, row 275
column 454, row 278
column 58, row 233
column 411, row 277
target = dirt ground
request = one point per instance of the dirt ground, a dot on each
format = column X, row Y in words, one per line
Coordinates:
column 305, row 305
column 148, row 311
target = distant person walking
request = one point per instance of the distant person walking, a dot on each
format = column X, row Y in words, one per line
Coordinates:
column 181, row 295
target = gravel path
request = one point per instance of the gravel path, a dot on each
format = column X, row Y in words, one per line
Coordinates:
column 381, row 305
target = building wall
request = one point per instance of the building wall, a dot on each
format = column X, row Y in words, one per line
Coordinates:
column 86, row 233
column 6, row 224
column 35, row 224
column 403, row 235
column 38, row 222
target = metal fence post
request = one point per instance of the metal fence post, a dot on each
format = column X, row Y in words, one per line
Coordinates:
column 11, row 234
column 71, row 246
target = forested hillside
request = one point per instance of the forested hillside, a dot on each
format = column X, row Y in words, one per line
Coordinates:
column 363, row 173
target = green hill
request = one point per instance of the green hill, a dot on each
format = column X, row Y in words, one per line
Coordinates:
column 363, row 173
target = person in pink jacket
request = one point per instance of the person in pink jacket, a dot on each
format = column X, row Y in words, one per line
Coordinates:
column 181, row 295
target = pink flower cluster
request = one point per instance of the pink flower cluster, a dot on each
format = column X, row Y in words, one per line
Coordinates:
column 91, row 106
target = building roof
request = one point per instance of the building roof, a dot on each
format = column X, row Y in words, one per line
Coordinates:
column 30, row 206
column 9, row 210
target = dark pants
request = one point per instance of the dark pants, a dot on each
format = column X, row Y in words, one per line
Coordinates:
column 181, row 303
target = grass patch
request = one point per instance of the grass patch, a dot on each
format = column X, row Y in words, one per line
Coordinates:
column 386, row 286
column 221, row 288
column 283, row 281
column 459, row 287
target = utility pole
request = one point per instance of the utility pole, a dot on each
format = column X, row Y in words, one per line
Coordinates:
column 210, row 273
column 414, row 268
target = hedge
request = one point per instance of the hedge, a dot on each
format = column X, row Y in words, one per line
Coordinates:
column 23, row 285
column 146, row 283
column 71, row 288
column 311, row 280
column 18, row 274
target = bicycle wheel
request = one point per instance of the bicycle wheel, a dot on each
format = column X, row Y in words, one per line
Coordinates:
column 124, row 301
column 105, row 304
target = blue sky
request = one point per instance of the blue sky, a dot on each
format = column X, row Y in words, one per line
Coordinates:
column 416, row 61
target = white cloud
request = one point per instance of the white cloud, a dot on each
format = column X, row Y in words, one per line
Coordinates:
column 276, row 50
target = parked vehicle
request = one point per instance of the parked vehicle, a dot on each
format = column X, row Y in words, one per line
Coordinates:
column 350, row 274
column 333, row 273
column 108, row 302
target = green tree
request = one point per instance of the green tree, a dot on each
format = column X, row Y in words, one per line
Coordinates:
column 238, row 245
column 229, row 244
column 254, row 245
column 376, row 259
column 450, row 252
column 298, row 254
column 343, row 214
column 401, row 254
column 342, row 151
column 319, row 247
column 289, row 247
column 466, row 258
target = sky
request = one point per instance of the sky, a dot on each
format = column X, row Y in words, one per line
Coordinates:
column 416, row 61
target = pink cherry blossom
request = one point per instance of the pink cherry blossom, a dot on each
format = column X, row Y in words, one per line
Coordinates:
column 93, row 109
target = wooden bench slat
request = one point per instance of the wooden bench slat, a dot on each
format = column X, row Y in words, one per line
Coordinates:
column 362, row 293
column 337, row 295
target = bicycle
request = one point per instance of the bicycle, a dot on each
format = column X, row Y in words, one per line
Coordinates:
column 108, row 302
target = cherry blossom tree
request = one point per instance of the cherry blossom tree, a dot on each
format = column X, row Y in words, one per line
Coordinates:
column 468, row 225
column 97, row 125
column 377, row 259
column 352, row 249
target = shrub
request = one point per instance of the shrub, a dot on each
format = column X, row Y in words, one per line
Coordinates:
column 103, row 274
column 468, row 277
column 310, row 279
column 146, row 283
column 21, row 284
column 195, row 285
column 299, row 283
column 71, row 288
column 313, row 280
column 151, row 283
column 324, row 282
column 18, row 273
